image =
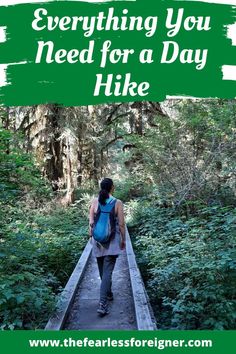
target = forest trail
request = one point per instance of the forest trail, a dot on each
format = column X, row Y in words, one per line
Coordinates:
column 173, row 167
column 77, row 307
column 83, row 314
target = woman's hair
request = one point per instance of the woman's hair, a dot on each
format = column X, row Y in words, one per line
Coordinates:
column 106, row 186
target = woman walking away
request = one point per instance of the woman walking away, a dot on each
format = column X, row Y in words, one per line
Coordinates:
column 107, row 230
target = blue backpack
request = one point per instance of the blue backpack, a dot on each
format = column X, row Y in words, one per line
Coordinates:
column 104, row 227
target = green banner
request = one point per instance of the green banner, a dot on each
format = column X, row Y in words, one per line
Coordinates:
column 117, row 342
column 79, row 53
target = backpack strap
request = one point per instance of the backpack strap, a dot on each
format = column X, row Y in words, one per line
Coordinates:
column 108, row 207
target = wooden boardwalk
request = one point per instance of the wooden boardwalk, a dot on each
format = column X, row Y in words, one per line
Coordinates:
column 130, row 309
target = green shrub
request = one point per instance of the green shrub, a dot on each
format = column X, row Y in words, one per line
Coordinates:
column 38, row 254
column 189, row 265
column 40, row 243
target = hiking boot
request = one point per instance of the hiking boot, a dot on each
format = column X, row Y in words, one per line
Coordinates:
column 102, row 310
column 110, row 296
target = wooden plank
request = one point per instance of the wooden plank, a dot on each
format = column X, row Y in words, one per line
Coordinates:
column 58, row 319
column 83, row 313
column 143, row 314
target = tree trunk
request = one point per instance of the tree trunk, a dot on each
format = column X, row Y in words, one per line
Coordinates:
column 70, row 190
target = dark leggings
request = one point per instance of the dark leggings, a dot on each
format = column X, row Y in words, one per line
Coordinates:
column 106, row 265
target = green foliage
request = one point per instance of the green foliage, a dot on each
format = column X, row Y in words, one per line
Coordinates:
column 37, row 255
column 39, row 243
column 188, row 264
column 25, row 300
column 63, row 236
column 18, row 175
column 190, row 154
column 130, row 188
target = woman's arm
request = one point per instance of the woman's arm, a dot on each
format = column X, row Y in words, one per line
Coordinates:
column 121, row 220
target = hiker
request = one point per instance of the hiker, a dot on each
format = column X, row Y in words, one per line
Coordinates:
column 106, row 213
